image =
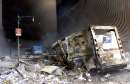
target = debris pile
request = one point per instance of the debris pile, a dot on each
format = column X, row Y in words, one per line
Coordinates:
column 30, row 73
column 77, row 58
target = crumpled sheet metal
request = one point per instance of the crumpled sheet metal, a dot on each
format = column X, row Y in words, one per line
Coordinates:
column 75, row 46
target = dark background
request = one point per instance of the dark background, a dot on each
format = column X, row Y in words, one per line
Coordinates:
column 30, row 30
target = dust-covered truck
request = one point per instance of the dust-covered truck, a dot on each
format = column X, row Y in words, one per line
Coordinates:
column 95, row 47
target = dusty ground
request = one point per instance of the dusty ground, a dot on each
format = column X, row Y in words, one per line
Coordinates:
column 31, row 75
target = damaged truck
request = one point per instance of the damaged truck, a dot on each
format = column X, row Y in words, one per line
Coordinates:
column 97, row 47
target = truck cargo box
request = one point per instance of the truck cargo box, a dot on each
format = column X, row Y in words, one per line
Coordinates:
column 107, row 47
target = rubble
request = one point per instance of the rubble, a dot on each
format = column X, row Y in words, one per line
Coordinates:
column 81, row 77
column 52, row 70
column 7, row 62
column 88, row 77
column 77, row 58
column 107, row 75
column 32, row 75
column 127, row 54
column 33, row 67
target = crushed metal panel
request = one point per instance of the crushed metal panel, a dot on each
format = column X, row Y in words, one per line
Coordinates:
column 75, row 47
column 78, row 42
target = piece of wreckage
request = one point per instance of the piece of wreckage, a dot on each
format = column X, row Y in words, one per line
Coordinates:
column 98, row 47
